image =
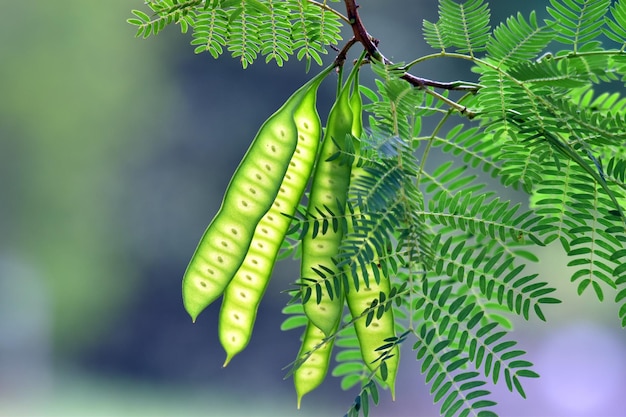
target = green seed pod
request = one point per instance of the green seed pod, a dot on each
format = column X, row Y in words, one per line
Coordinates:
column 329, row 191
column 356, row 104
column 373, row 336
column 250, row 194
column 244, row 292
column 370, row 336
column 312, row 372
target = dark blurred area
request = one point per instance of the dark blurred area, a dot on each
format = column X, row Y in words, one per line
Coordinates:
column 114, row 154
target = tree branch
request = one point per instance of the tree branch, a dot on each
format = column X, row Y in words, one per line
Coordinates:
column 371, row 46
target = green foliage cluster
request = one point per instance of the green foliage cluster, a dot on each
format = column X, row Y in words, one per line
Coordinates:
column 275, row 29
column 455, row 251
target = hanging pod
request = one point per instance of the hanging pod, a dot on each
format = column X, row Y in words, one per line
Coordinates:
column 381, row 328
column 329, row 191
column 244, row 292
column 250, row 194
column 317, row 350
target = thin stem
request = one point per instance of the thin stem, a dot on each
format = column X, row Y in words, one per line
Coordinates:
column 342, row 55
column 454, row 85
column 441, row 55
column 429, row 145
column 324, row 6
column 458, row 107
column 590, row 53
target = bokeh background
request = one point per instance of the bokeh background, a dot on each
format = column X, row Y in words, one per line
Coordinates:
column 114, row 154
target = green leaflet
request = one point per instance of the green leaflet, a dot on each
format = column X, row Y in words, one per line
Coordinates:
column 247, row 29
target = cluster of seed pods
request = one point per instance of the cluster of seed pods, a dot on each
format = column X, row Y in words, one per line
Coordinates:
column 237, row 253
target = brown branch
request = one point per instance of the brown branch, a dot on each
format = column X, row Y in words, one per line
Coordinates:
column 342, row 55
column 360, row 34
column 371, row 46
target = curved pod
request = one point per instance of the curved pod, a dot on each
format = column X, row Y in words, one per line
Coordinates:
column 250, row 194
column 312, row 372
column 329, row 189
column 373, row 336
column 244, row 292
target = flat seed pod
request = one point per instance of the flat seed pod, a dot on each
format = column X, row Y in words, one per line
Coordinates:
column 244, row 292
column 251, row 193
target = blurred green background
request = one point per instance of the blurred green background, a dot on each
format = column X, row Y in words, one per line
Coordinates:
column 114, row 154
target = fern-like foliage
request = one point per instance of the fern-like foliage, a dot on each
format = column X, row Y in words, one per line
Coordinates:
column 462, row 27
column 454, row 250
column 542, row 128
column 518, row 40
column 616, row 24
column 275, row 29
column 577, row 22
column 550, row 141
column 460, row 255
